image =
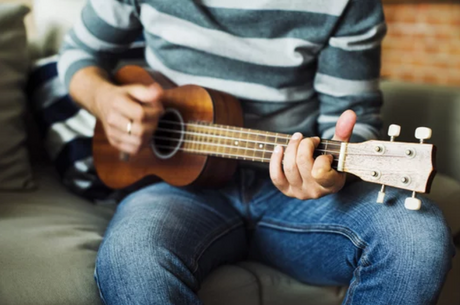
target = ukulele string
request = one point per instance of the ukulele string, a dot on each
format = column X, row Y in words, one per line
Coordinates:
column 210, row 152
column 198, row 134
column 261, row 159
column 255, row 158
column 240, row 131
column 230, row 146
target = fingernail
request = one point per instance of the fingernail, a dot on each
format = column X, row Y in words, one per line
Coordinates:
column 297, row 136
column 277, row 149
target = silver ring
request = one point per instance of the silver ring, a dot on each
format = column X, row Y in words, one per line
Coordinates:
column 129, row 127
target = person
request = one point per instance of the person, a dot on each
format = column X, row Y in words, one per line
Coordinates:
column 306, row 68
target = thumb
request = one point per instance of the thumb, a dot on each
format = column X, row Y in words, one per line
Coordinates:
column 145, row 94
column 344, row 126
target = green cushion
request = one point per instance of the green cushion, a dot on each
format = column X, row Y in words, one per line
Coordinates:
column 48, row 245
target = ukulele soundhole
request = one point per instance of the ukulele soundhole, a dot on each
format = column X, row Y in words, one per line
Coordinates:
column 168, row 137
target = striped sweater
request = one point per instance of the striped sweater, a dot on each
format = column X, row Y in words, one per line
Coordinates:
column 295, row 65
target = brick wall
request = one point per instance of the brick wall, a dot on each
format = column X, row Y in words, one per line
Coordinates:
column 423, row 41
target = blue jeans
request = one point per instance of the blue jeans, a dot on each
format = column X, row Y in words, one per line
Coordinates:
column 163, row 241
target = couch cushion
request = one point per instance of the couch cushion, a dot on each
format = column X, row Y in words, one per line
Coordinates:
column 49, row 240
column 15, row 172
column 249, row 283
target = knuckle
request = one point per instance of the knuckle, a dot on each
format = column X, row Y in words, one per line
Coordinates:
column 140, row 114
column 302, row 196
column 307, row 144
column 289, row 167
column 118, row 102
column 318, row 173
column 277, row 180
column 111, row 118
column 315, row 194
column 301, row 159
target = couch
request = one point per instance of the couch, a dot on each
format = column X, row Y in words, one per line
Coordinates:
column 49, row 237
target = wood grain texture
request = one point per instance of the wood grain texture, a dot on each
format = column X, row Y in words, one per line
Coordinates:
column 393, row 165
column 194, row 104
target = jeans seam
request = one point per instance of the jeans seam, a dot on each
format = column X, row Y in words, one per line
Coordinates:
column 207, row 244
column 335, row 229
column 351, row 288
column 96, row 278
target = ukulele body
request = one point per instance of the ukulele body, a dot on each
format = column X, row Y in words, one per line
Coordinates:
column 185, row 104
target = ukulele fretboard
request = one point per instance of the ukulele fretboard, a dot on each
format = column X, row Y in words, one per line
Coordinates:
column 230, row 142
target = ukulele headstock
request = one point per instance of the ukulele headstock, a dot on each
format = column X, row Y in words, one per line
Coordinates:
column 409, row 166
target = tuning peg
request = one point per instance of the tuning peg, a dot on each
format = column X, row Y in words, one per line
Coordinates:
column 381, row 195
column 394, row 131
column 423, row 133
column 412, row 203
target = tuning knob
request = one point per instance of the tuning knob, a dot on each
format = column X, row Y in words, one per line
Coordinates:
column 394, row 131
column 381, row 197
column 413, row 203
column 423, row 133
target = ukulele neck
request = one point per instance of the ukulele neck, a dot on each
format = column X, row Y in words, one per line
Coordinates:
column 240, row 143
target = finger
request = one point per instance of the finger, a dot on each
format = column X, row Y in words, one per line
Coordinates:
column 291, row 169
column 124, row 137
column 324, row 174
column 145, row 94
column 152, row 113
column 305, row 155
column 125, row 147
column 344, row 126
column 129, row 108
column 276, row 171
column 121, row 123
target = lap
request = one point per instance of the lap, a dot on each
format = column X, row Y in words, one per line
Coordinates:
column 339, row 239
column 323, row 241
column 200, row 227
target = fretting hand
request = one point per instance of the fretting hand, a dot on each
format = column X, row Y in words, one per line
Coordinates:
column 305, row 177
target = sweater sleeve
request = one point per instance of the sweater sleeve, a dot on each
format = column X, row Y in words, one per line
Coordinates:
column 104, row 30
column 349, row 71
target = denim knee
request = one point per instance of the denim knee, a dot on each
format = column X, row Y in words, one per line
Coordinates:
column 417, row 243
column 128, row 267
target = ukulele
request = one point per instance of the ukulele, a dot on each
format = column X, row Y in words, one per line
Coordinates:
column 200, row 138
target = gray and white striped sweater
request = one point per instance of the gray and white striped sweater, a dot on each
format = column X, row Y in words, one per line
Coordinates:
column 296, row 65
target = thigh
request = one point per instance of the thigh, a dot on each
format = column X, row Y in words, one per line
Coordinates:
column 324, row 241
column 199, row 228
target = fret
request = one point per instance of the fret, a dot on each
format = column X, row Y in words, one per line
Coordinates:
column 210, row 139
column 214, row 140
column 255, row 147
column 226, row 141
column 265, row 145
column 219, row 143
column 246, row 146
column 192, row 136
column 237, row 143
column 276, row 141
column 198, row 137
